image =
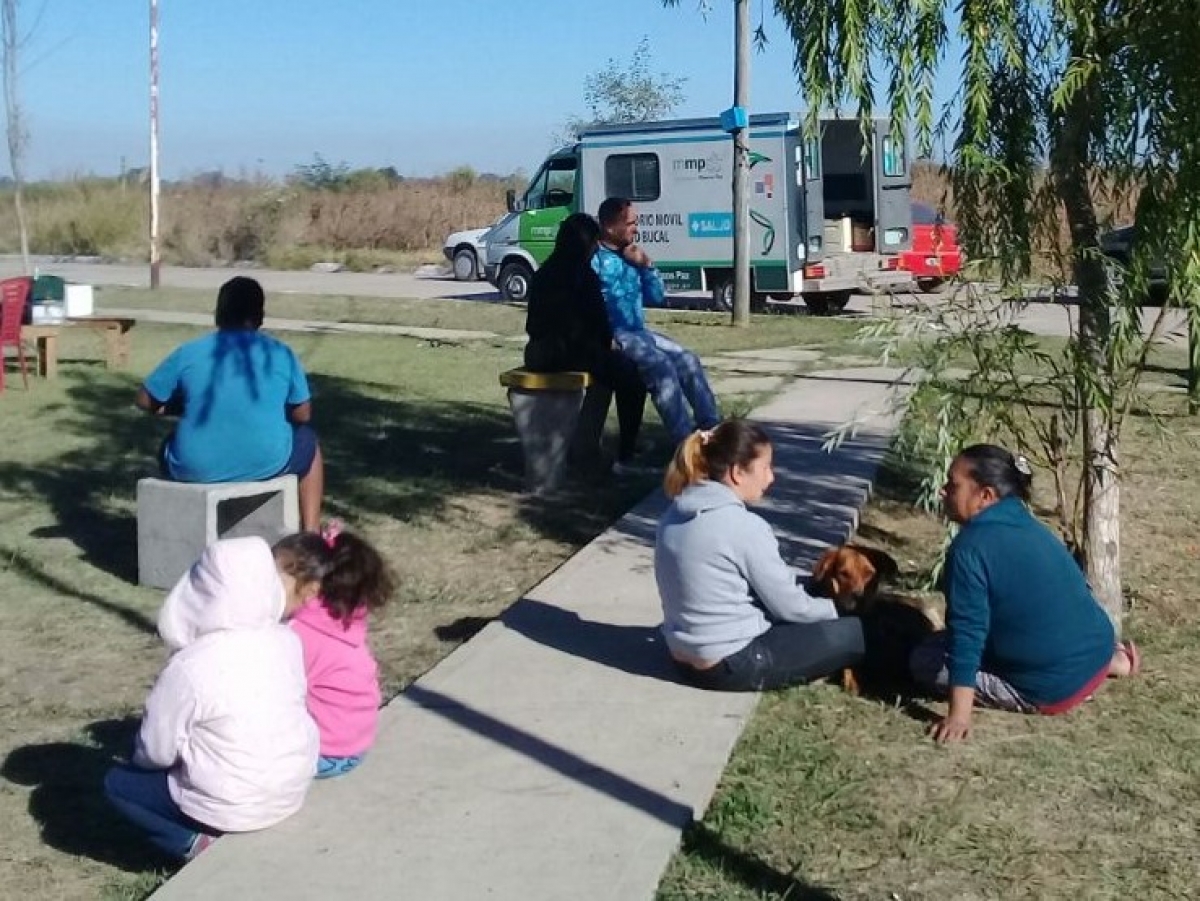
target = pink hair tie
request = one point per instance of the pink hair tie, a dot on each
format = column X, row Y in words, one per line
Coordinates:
column 331, row 530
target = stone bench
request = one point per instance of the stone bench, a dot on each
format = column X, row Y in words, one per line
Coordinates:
column 559, row 418
column 176, row 521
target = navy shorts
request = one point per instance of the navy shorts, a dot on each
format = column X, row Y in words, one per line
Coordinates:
column 304, row 451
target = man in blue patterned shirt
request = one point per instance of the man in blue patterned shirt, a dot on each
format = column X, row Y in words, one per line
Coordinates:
column 672, row 373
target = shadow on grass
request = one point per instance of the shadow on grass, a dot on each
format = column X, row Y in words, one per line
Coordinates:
column 1179, row 372
column 386, row 455
column 33, row 572
column 701, row 843
column 67, row 798
column 462, row 629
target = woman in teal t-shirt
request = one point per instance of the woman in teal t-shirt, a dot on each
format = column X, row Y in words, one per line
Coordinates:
column 243, row 403
column 1023, row 631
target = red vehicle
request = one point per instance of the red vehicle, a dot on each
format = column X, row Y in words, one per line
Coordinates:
column 935, row 256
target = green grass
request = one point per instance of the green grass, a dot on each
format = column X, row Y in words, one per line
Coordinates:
column 422, row 459
column 703, row 332
column 831, row 796
column 500, row 318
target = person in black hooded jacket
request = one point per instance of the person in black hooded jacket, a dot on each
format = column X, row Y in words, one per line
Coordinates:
column 569, row 330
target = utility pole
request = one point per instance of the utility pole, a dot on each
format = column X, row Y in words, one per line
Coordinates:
column 10, row 47
column 154, row 258
column 741, row 166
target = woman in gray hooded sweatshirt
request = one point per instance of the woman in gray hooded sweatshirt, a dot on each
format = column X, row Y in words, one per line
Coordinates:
column 734, row 616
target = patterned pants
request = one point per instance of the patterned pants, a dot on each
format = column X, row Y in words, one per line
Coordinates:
column 675, row 378
column 929, row 668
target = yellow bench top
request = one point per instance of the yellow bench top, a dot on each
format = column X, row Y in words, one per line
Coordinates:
column 545, row 381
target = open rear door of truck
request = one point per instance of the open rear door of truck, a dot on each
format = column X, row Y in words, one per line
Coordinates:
column 893, row 189
column 812, row 207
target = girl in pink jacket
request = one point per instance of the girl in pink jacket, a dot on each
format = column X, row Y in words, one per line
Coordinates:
column 226, row 744
column 340, row 578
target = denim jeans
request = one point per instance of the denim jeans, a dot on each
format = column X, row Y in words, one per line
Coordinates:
column 143, row 798
column 328, row 767
column 786, row 654
column 675, row 378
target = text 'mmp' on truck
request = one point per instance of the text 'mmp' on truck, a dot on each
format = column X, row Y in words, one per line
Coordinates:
column 827, row 220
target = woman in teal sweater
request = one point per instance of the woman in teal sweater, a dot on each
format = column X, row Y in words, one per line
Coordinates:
column 1023, row 631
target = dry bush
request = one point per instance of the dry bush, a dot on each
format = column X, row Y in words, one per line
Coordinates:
column 83, row 217
column 931, row 186
column 361, row 225
column 411, row 216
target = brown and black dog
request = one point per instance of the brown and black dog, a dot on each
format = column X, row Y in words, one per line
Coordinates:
column 851, row 575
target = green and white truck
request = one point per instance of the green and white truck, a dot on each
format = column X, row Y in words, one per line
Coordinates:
column 828, row 215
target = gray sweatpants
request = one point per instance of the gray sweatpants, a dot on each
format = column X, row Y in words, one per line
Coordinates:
column 928, row 665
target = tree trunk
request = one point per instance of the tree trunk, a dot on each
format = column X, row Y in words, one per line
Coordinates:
column 1193, row 373
column 1070, row 162
column 1102, row 527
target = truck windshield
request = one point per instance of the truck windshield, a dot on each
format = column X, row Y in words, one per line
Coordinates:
column 553, row 186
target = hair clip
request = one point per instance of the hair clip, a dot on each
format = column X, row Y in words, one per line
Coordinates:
column 705, row 435
column 331, row 530
column 1021, row 462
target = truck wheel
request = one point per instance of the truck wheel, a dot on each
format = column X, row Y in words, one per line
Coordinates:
column 826, row 303
column 931, row 285
column 514, row 281
column 465, row 269
column 722, row 297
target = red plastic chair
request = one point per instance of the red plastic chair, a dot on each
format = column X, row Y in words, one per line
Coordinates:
column 14, row 296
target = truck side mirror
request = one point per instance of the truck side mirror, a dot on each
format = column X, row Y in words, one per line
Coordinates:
column 510, row 198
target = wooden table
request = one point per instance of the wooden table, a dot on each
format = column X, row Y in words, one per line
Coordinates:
column 45, row 337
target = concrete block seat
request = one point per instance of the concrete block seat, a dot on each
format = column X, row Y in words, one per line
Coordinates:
column 559, row 418
column 177, row 520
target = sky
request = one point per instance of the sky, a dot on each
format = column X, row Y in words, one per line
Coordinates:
column 261, row 86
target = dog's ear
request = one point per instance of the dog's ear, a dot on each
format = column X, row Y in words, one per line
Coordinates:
column 824, row 573
column 826, row 562
column 884, row 564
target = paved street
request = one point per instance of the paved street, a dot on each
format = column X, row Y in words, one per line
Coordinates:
column 1040, row 317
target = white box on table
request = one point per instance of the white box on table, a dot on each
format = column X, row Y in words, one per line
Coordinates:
column 79, row 300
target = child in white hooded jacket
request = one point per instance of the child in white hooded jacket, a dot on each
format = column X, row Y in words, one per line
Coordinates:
column 226, row 743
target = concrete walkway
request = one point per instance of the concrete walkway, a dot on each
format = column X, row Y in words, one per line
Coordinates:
column 555, row 755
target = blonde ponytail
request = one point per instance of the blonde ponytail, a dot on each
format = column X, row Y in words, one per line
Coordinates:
column 711, row 454
column 688, row 466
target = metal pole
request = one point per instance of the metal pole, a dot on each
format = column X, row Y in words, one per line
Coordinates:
column 154, row 258
column 741, row 167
